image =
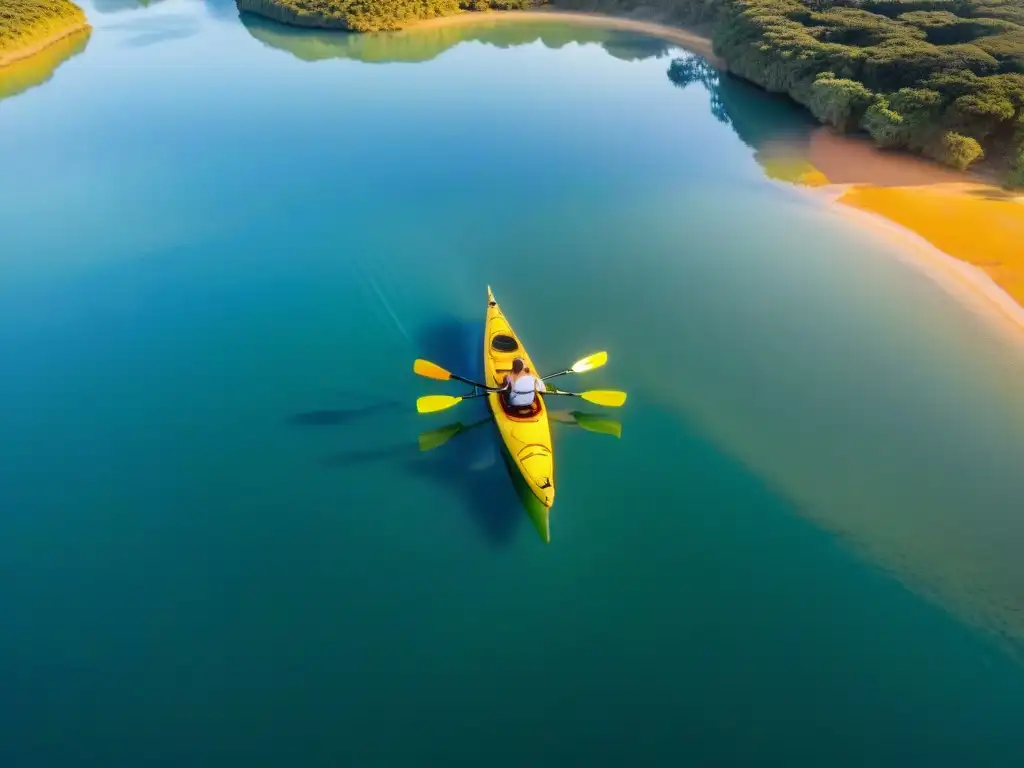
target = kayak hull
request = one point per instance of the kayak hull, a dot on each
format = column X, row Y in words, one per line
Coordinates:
column 526, row 436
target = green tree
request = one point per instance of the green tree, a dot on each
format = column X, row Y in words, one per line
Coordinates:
column 884, row 125
column 958, row 150
column 840, row 102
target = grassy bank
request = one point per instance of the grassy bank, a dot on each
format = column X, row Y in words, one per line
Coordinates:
column 29, row 26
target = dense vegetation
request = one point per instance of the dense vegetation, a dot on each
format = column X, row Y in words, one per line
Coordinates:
column 25, row 22
column 944, row 78
column 370, row 15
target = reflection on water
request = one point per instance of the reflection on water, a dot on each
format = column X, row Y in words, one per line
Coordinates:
column 462, row 467
column 24, row 74
column 152, row 30
column 424, row 44
column 115, row 6
column 224, row 9
column 778, row 130
column 539, row 515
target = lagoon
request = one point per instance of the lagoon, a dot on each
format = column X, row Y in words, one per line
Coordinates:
column 224, row 242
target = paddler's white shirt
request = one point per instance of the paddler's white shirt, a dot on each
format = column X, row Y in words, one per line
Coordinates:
column 522, row 390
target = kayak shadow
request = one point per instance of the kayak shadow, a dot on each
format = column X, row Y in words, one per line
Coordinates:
column 472, row 462
column 470, row 465
column 335, row 417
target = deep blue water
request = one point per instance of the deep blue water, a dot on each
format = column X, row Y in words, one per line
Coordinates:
column 224, row 243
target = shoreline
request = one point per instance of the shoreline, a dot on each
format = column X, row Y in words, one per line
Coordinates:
column 968, row 283
column 686, row 38
column 850, row 176
column 971, row 222
column 32, row 49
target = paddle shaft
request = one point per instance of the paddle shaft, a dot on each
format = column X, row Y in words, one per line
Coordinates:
column 476, row 384
column 553, row 375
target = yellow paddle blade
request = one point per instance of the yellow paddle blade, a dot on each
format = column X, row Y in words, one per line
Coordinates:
column 600, row 424
column 609, row 397
column 436, row 437
column 590, row 362
column 433, row 403
column 431, row 370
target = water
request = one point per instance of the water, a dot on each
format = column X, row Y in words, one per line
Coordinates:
column 224, row 243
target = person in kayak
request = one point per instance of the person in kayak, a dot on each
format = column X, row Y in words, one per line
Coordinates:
column 521, row 385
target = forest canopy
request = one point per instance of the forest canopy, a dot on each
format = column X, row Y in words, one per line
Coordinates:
column 370, row 15
column 943, row 78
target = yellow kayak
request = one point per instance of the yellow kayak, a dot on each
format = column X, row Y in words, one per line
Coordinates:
column 526, row 434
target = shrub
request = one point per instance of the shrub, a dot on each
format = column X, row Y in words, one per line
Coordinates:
column 884, row 125
column 957, row 150
column 840, row 102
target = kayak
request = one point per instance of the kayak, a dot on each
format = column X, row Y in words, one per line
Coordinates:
column 526, row 433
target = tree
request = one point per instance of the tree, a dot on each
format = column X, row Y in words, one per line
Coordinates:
column 840, row 102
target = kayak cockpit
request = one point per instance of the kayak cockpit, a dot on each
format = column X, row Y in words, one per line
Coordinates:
column 504, row 343
column 522, row 413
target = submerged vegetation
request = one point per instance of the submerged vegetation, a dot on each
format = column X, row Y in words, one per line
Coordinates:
column 25, row 24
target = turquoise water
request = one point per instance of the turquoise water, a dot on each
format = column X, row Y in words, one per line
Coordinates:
column 223, row 244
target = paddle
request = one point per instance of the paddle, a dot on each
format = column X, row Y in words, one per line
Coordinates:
column 434, row 403
column 435, row 371
column 609, row 397
column 588, row 363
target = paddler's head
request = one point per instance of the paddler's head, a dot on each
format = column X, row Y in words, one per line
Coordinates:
column 517, row 366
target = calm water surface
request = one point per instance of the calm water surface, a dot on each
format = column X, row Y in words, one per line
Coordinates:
column 224, row 242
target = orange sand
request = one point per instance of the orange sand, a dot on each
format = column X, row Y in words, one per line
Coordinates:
column 976, row 223
column 855, row 160
column 960, row 214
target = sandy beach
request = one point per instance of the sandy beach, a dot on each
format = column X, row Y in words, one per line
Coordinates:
column 968, row 230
